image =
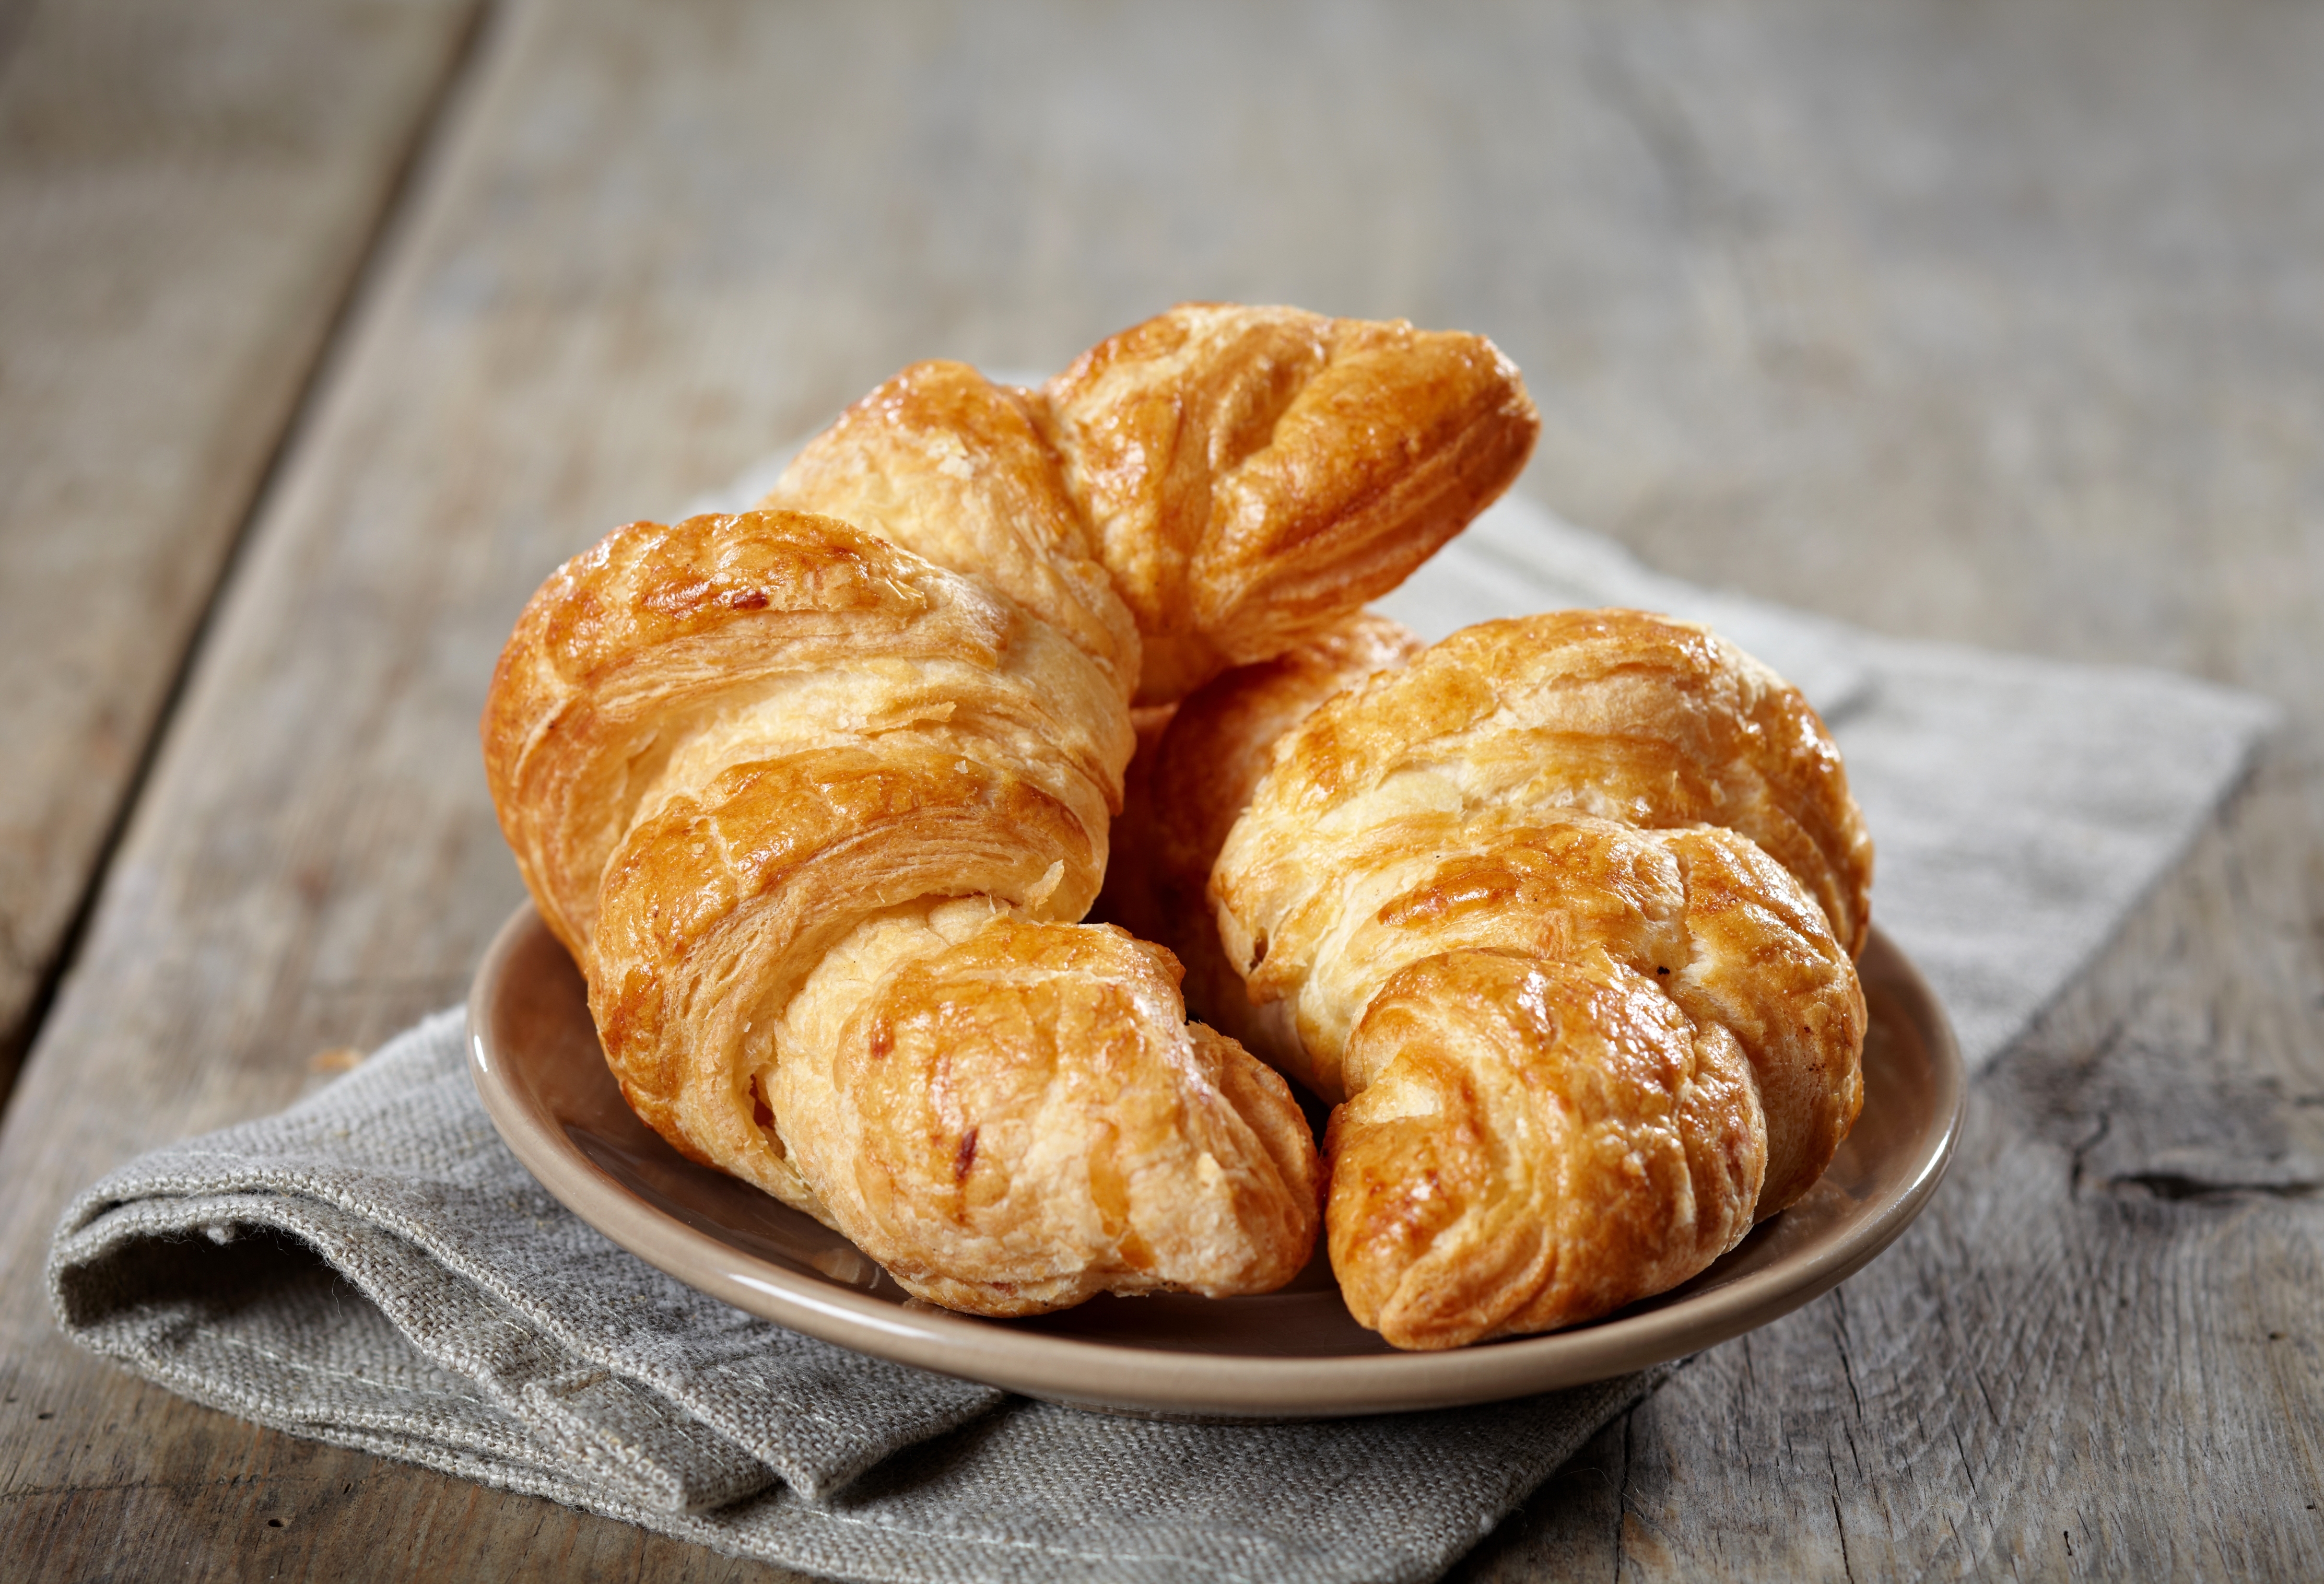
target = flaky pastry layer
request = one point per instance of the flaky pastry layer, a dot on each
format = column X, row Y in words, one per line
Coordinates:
column 1244, row 476
column 841, row 808
column 1564, row 912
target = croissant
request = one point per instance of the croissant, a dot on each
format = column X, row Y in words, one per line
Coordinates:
column 1564, row 914
column 816, row 793
column 1245, row 477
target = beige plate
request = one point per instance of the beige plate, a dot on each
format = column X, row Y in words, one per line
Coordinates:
column 1294, row 1354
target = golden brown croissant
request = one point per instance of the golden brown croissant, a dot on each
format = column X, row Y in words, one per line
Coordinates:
column 815, row 816
column 1244, row 475
column 1255, row 474
column 815, row 813
column 1564, row 909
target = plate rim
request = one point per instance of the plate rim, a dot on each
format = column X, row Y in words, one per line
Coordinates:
column 1119, row 1377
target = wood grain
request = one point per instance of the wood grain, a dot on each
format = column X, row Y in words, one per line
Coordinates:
column 186, row 192
column 1992, row 323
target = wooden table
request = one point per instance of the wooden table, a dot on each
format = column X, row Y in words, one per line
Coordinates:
column 326, row 330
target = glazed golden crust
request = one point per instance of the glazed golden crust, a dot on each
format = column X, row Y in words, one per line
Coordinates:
column 1028, row 1098
column 948, row 465
column 1545, row 1140
column 1252, row 474
column 1635, row 718
column 643, row 666
column 1643, row 837
column 777, row 780
column 1242, row 477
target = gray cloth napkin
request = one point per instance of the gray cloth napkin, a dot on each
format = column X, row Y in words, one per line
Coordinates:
column 373, row 1267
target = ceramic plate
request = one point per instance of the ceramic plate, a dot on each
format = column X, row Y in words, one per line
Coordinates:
column 1288, row 1354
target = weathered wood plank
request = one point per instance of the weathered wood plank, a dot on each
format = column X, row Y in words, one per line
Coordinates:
column 1986, row 323
column 186, row 192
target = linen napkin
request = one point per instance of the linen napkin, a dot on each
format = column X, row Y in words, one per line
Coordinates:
column 373, row 1267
